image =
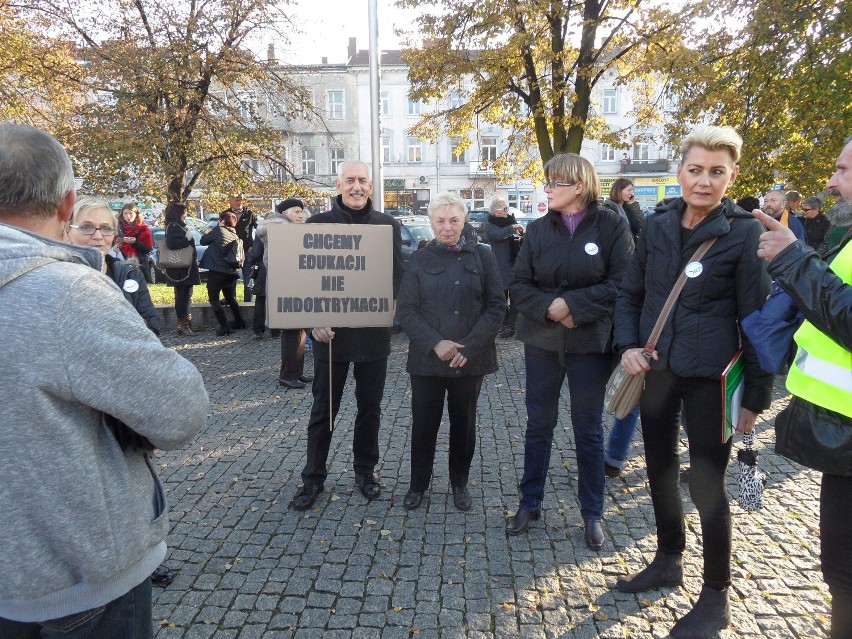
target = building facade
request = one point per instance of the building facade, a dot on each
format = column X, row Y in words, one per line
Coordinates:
column 414, row 169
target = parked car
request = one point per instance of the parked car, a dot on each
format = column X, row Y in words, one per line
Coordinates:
column 477, row 219
column 401, row 211
column 523, row 220
column 414, row 228
column 159, row 233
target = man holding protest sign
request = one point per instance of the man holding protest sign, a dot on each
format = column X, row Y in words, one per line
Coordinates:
column 367, row 349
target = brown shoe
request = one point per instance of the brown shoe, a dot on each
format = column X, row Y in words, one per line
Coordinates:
column 184, row 327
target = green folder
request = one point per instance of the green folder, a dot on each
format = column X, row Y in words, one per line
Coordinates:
column 733, row 386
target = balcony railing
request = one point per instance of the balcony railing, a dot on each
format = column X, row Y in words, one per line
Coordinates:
column 480, row 169
column 645, row 166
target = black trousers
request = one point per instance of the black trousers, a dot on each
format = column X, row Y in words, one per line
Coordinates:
column 183, row 296
column 511, row 317
column 835, row 532
column 292, row 354
column 369, row 389
column 427, row 408
column 258, row 322
column 664, row 396
column 224, row 283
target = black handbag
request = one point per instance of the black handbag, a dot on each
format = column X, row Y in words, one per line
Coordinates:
column 815, row 437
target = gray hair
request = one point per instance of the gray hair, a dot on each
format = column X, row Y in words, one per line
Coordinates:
column 813, row 202
column 35, row 171
column 88, row 203
column 346, row 163
column 447, row 199
column 498, row 203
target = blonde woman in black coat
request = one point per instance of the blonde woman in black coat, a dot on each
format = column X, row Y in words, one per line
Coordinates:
column 451, row 306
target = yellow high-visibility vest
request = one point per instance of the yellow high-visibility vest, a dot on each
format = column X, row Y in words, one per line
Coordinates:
column 822, row 370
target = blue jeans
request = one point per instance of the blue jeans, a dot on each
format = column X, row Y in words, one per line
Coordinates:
column 587, row 377
column 620, row 437
column 128, row 617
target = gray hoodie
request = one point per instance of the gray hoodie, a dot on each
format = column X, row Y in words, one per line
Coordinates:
column 82, row 521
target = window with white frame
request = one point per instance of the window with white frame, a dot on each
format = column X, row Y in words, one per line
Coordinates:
column 488, row 148
column 251, row 167
column 335, row 105
column 640, row 151
column 247, row 102
column 415, row 150
column 336, row 160
column 457, row 155
column 475, row 197
column 386, row 103
column 309, row 162
column 414, row 107
column 386, row 149
column 610, row 101
column 607, row 153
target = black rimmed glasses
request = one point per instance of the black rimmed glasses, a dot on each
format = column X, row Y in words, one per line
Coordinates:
column 553, row 185
column 90, row 229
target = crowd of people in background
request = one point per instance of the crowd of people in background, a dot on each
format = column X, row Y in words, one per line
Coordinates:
column 581, row 287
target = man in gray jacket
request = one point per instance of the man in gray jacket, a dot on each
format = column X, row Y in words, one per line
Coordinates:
column 82, row 513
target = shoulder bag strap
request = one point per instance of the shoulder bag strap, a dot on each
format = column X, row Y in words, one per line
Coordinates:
column 670, row 302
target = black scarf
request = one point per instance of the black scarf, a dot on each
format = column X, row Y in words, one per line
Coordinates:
column 502, row 222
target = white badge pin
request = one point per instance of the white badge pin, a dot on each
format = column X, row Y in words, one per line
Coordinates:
column 592, row 248
column 693, row 269
column 131, row 286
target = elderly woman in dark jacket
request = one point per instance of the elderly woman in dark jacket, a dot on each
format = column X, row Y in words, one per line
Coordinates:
column 178, row 236
column 683, row 381
column 504, row 236
column 564, row 284
column 222, row 276
column 451, row 305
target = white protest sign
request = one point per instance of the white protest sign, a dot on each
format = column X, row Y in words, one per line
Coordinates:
column 329, row 275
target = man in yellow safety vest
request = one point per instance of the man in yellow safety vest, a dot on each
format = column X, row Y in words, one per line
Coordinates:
column 816, row 428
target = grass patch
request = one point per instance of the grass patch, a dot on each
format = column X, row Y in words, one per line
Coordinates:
column 164, row 294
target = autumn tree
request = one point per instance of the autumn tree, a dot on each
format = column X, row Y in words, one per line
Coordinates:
column 780, row 73
column 36, row 72
column 531, row 66
column 175, row 98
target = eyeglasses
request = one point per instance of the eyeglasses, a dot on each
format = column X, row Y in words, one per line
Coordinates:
column 553, row 185
column 89, row 229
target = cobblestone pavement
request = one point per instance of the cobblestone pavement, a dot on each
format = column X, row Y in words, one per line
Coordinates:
column 248, row 566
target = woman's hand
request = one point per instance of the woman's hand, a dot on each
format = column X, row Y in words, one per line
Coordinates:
column 448, row 351
column 634, row 361
column 746, row 421
column 324, row 334
column 558, row 310
column 568, row 321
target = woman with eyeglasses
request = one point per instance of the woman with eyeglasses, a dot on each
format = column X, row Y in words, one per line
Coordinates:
column 93, row 224
column 136, row 239
column 564, row 284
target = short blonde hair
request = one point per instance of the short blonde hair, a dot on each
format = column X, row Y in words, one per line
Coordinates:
column 447, row 199
column 87, row 203
column 713, row 138
column 571, row 168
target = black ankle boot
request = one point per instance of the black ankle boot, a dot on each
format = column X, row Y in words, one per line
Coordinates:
column 709, row 615
column 664, row 570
